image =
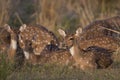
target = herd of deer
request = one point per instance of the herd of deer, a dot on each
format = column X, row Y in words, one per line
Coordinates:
column 89, row 48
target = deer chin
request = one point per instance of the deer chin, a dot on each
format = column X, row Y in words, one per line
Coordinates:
column 27, row 55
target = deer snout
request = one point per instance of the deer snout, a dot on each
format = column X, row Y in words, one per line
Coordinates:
column 62, row 45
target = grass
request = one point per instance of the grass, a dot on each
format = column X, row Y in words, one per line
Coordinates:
column 55, row 14
column 63, row 73
column 65, row 14
column 55, row 72
column 5, row 67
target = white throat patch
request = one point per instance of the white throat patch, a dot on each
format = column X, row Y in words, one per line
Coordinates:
column 72, row 50
column 26, row 55
column 36, row 53
column 13, row 44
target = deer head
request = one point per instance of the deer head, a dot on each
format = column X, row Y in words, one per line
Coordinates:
column 13, row 42
column 60, row 57
column 69, row 38
column 4, row 39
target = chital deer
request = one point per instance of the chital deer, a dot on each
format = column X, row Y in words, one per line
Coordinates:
column 101, row 33
column 15, row 53
column 92, row 58
column 59, row 57
column 13, row 42
column 38, row 35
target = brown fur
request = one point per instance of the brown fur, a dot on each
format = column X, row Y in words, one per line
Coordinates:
column 92, row 57
column 60, row 57
column 95, row 34
column 4, row 39
column 39, row 36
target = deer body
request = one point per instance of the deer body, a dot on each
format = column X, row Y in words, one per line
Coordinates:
column 60, row 57
column 96, row 34
column 83, row 59
column 39, row 36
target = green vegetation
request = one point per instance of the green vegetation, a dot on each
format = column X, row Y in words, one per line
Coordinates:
column 5, row 67
column 54, row 14
column 55, row 72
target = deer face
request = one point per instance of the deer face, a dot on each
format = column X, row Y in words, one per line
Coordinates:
column 8, row 37
column 13, row 42
column 69, row 38
column 68, row 41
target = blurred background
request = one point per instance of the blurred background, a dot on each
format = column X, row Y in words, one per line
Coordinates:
column 54, row 14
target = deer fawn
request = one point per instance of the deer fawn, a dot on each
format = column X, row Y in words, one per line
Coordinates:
column 89, row 58
column 102, row 33
column 14, row 52
column 59, row 57
column 38, row 35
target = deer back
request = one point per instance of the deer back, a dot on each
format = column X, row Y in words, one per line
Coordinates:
column 97, row 34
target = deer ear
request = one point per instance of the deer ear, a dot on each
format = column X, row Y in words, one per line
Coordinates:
column 7, row 27
column 62, row 32
column 22, row 28
column 78, row 31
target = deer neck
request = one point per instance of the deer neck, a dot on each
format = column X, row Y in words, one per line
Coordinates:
column 75, row 51
column 13, row 46
column 13, row 43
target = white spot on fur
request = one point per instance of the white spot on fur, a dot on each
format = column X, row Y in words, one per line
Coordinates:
column 87, row 62
column 49, row 43
column 26, row 55
column 36, row 53
column 13, row 44
column 72, row 50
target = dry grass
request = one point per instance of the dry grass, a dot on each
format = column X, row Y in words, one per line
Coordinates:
column 4, row 17
column 54, row 14
column 70, row 14
column 66, row 14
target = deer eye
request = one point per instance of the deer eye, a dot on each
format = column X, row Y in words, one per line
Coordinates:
column 71, row 38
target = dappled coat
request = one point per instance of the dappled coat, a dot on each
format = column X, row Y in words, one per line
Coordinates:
column 38, row 35
column 97, row 34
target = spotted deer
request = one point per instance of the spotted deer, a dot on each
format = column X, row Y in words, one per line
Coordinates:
column 59, row 57
column 92, row 57
column 102, row 33
column 14, row 52
column 40, row 38
column 13, row 42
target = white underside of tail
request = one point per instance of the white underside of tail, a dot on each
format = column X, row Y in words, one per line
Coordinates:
column 72, row 50
column 26, row 55
column 13, row 44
